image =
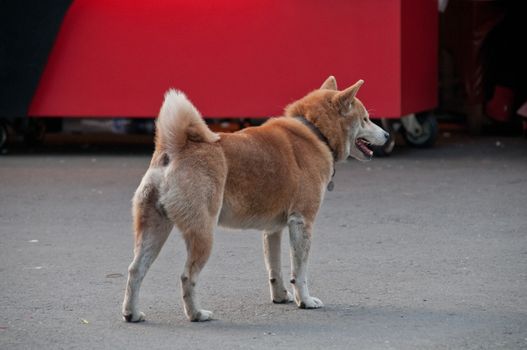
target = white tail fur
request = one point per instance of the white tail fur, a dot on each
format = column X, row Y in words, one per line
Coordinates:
column 178, row 122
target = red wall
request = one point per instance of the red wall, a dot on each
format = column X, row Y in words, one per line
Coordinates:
column 238, row 58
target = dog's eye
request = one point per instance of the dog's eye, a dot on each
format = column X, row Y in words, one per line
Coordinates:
column 365, row 120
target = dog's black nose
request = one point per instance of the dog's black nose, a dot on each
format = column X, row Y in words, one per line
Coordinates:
column 386, row 135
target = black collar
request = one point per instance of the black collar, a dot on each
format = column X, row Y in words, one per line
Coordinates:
column 319, row 134
column 324, row 139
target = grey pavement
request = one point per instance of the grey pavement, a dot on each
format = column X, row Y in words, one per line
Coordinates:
column 426, row 249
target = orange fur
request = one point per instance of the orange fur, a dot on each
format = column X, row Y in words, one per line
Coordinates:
column 267, row 177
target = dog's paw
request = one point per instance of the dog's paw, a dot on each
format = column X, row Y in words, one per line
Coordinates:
column 140, row 317
column 201, row 316
column 311, row 303
column 287, row 298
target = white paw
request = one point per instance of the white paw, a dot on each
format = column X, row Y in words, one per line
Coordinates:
column 287, row 298
column 311, row 303
column 201, row 315
column 140, row 317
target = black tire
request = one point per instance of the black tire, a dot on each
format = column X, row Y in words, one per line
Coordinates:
column 428, row 137
column 386, row 150
column 3, row 134
column 35, row 132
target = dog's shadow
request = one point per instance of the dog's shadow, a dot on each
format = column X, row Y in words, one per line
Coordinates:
column 264, row 320
column 334, row 320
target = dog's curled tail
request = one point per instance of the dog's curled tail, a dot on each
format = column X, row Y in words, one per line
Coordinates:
column 178, row 122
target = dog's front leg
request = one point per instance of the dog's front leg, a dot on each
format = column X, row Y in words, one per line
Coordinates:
column 300, row 241
column 272, row 253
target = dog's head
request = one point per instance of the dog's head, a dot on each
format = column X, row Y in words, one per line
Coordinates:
column 342, row 119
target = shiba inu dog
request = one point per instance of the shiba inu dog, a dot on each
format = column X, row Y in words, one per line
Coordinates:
column 268, row 178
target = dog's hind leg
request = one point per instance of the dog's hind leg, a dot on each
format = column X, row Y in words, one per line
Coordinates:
column 300, row 241
column 199, row 246
column 193, row 203
column 272, row 254
column 151, row 231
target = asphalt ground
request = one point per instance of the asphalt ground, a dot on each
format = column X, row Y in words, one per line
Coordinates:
column 426, row 249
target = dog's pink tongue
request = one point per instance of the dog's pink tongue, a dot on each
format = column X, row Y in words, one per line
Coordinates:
column 364, row 148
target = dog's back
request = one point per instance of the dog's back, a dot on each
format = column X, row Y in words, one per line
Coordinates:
column 204, row 172
column 257, row 175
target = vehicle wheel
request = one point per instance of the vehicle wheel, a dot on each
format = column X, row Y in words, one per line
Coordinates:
column 3, row 134
column 387, row 148
column 425, row 134
column 35, row 132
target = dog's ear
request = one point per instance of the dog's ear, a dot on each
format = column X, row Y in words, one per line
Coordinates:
column 344, row 99
column 330, row 83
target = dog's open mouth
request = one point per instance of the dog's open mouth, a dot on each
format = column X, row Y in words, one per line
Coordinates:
column 362, row 145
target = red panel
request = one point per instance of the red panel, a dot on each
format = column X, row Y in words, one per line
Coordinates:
column 233, row 58
column 419, row 50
